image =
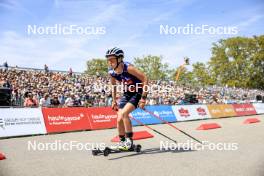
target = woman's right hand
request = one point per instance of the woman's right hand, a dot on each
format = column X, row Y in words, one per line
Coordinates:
column 114, row 106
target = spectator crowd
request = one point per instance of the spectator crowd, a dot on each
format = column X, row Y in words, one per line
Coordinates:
column 33, row 88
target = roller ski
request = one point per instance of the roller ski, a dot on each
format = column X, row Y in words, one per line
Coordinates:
column 123, row 146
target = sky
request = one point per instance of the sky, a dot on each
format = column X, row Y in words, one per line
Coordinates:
column 133, row 26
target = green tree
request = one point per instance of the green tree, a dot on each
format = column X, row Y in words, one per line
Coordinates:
column 153, row 67
column 201, row 74
column 257, row 64
column 97, row 66
column 238, row 62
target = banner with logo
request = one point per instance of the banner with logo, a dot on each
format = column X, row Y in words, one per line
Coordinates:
column 216, row 110
column 244, row 109
column 228, row 110
column 66, row 119
column 190, row 112
column 102, row 117
column 259, row 107
column 21, row 121
column 163, row 111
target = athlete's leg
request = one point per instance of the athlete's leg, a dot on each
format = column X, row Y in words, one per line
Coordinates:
column 126, row 141
column 127, row 106
column 120, row 126
column 123, row 114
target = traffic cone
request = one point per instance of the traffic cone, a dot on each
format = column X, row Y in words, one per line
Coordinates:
column 251, row 120
column 2, row 156
column 208, row 126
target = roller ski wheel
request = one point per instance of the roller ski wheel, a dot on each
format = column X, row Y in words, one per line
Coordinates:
column 107, row 151
column 95, row 152
column 138, row 148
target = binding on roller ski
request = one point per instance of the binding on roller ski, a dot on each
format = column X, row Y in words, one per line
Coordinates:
column 134, row 95
column 115, row 149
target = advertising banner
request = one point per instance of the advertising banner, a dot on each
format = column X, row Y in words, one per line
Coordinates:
column 244, row 109
column 259, row 107
column 102, row 117
column 191, row 112
column 66, row 119
column 21, row 121
column 163, row 111
column 216, row 111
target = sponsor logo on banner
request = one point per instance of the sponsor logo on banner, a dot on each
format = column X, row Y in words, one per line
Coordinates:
column 141, row 114
column 244, row 109
column 102, row 117
column 21, row 121
column 143, row 117
column 201, row 111
column 249, row 108
column 190, row 112
column 228, row 110
column 65, row 119
column 2, row 123
column 216, row 111
column 184, row 112
column 163, row 111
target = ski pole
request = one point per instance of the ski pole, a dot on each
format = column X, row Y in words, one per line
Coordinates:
column 139, row 122
column 173, row 126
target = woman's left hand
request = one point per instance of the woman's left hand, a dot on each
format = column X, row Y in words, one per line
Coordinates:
column 142, row 103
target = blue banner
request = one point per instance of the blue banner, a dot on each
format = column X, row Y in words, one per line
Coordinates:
column 163, row 111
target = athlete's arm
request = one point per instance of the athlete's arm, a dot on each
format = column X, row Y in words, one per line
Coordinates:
column 113, row 88
column 141, row 76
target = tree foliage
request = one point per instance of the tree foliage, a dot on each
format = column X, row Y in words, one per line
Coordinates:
column 97, row 66
column 153, row 67
column 239, row 62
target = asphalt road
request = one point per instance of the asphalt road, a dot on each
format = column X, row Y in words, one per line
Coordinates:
column 240, row 152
